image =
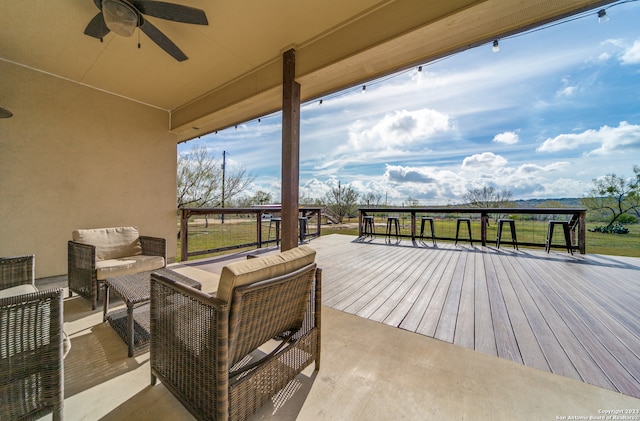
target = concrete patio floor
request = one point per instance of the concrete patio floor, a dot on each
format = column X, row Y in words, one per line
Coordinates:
column 369, row 371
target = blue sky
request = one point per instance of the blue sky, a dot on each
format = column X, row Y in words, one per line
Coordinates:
column 553, row 109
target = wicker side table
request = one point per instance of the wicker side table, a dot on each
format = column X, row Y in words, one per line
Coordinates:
column 135, row 292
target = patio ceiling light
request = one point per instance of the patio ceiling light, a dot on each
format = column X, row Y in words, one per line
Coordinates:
column 4, row 113
column 120, row 17
column 496, row 46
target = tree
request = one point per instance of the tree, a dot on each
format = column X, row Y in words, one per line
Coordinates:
column 488, row 197
column 199, row 179
column 617, row 196
column 342, row 201
column 371, row 199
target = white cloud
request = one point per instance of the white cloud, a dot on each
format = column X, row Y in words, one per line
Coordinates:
column 485, row 160
column 397, row 130
column 508, row 138
column 632, row 54
column 567, row 91
column 610, row 139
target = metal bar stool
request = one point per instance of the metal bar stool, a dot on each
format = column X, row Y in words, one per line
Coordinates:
column 276, row 221
column 512, row 227
column 433, row 231
column 302, row 221
column 567, row 234
column 393, row 220
column 369, row 230
column 460, row 221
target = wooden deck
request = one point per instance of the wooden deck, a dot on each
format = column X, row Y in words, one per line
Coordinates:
column 576, row 316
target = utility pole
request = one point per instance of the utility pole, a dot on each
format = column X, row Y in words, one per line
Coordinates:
column 224, row 163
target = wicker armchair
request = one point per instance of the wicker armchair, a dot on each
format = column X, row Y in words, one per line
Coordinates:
column 204, row 349
column 31, row 354
column 16, row 271
column 83, row 264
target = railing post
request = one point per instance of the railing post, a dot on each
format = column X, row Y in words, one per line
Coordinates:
column 319, row 226
column 184, row 235
column 484, row 217
column 259, row 228
column 582, row 228
column 413, row 225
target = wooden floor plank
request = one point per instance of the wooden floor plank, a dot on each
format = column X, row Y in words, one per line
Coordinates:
column 555, row 355
column 432, row 277
column 506, row 343
column 485, row 340
column 530, row 349
column 433, row 312
column 382, row 309
column 381, row 287
column 568, row 334
column 402, row 308
column 619, row 363
column 446, row 328
column 465, row 324
column 572, row 315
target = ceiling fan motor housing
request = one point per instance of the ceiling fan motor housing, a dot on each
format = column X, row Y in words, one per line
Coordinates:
column 120, row 17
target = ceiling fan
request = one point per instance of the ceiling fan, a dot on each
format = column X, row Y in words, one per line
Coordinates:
column 124, row 16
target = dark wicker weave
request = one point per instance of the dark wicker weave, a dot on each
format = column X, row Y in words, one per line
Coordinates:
column 134, row 289
column 31, row 350
column 81, row 265
column 205, row 353
column 16, row 271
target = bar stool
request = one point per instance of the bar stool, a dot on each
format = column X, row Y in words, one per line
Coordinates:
column 512, row 226
column 565, row 229
column 368, row 229
column 433, row 232
column 393, row 221
column 276, row 221
column 460, row 221
column 302, row 221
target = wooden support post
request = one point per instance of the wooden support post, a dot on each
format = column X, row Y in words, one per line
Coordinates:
column 484, row 221
column 290, row 151
column 582, row 231
column 184, row 235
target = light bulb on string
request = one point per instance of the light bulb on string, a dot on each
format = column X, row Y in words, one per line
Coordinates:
column 496, row 46
column 602, row 16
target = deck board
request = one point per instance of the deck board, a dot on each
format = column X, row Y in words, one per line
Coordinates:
column 572, row 315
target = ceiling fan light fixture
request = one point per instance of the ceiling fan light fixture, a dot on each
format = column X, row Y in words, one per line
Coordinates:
column 4, row 113
column 120, row 17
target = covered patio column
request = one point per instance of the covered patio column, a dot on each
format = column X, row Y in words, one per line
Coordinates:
column 290, row 151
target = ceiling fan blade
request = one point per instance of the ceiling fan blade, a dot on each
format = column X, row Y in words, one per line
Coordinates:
column 96, row 27
column 170, row 11
column 163, row 42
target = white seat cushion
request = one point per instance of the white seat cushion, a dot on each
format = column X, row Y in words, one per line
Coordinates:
column 17, row 290
column 111, row 243
column 127, row 266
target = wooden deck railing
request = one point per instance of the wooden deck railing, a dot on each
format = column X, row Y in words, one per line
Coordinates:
column 234, row 228
column 577, row 221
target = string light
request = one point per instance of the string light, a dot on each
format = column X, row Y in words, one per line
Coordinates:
column 602, row 16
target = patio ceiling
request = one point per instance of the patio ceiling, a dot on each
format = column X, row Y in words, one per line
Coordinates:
column 234, row 69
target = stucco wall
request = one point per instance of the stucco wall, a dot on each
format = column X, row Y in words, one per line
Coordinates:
column 73, row 157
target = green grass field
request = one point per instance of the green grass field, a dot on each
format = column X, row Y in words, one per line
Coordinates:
column 528, row 231
column 239, row 231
